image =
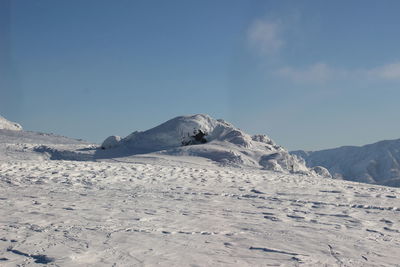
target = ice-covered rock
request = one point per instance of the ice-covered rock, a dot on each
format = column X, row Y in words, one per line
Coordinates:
column 9, row 125
column 202, row 136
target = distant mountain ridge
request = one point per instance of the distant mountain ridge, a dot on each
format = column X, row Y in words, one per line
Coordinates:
column 377, row 163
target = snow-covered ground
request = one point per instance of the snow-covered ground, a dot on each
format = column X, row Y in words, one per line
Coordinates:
column 144, row 211
column 180, row 207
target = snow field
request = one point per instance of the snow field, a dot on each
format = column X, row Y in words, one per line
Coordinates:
column 154, row 211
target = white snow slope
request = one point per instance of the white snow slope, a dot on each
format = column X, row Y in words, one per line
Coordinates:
column 377, row 163
column 8, row 125
column 160, row 209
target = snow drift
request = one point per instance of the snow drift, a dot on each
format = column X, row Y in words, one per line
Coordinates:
column 377, row 163
column 202, row 136
column 9, row 125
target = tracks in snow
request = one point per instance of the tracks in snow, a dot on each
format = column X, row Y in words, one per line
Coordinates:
column 121, row 213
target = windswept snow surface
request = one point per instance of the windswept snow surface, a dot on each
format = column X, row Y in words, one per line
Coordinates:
column 9, row 125
column 377, row 163
column 148, row 211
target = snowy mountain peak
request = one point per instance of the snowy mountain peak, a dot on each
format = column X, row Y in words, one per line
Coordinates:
column 203, row 136
column 9, row 125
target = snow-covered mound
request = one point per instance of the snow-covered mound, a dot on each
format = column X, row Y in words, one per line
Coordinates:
column 9, row 125
column 202, row 136
column 377, row 163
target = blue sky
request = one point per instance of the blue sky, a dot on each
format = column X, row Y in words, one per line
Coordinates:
column 310, row 74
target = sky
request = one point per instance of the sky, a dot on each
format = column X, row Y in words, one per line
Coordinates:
column 310, row 74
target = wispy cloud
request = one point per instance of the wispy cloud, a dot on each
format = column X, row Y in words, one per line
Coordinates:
column 269, row 37
column 387, row 72
column 265, row 37
column 316, row 73
column 322, row 72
